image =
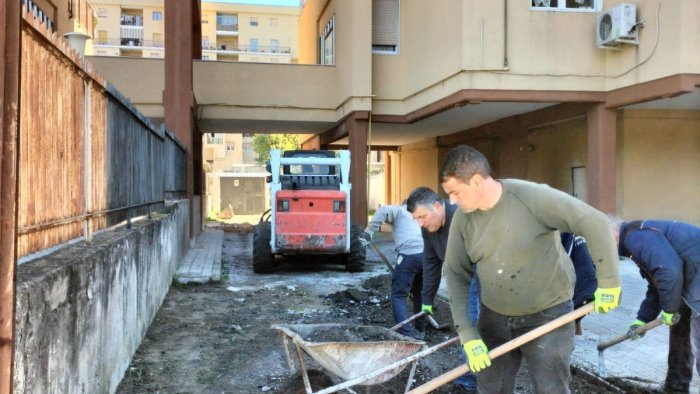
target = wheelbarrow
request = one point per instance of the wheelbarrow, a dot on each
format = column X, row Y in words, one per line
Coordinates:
column 361, row 355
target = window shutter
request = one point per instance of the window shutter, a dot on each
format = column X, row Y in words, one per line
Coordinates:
column 385, row 22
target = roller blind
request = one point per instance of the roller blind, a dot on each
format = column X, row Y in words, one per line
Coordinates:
column 385, row 23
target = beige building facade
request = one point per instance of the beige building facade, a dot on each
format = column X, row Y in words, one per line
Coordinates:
column 229, row 31
column 525, row 83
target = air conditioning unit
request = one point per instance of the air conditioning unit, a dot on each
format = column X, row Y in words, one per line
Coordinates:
column 617, row 25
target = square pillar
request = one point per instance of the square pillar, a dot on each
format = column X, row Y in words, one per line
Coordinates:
column 178, row 99
column 357, row 126
column 601, row 171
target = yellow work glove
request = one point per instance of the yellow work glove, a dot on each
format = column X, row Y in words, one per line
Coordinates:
column 669, row 319
column 477, row 355
column 427, row 309
column 606, row 299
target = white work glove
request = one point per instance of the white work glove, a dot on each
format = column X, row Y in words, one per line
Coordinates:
column 365, row 238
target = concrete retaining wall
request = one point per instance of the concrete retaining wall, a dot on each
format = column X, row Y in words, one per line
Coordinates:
column 83, row 310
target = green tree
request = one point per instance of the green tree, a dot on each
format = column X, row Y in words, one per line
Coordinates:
column 263, row 143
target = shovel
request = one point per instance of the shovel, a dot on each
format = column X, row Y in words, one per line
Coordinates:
column 505, row 348
column 604, row 345
column 431, row 320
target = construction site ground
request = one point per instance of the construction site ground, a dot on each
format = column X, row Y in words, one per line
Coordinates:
column 216, row 337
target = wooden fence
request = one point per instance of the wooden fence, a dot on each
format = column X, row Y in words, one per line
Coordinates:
column 87, row 158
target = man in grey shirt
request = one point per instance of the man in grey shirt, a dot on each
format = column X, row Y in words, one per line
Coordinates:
column 408, row 272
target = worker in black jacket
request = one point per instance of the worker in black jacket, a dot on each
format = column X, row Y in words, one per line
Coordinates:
column 668, row 256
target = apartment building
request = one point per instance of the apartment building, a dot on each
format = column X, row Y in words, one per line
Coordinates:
column 615, row 123
column 230, row 31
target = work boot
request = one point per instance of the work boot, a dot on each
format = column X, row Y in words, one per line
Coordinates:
column 462, row 389
column 419, row 335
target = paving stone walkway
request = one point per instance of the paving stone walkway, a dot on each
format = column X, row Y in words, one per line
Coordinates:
column 202, row 264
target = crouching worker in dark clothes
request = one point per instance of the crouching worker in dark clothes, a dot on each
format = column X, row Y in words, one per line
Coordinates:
column 505, row 232
column 408, row 272
column 668, row 256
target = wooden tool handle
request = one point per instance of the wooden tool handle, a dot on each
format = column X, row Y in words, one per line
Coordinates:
column 641, row 330
column 506, row 347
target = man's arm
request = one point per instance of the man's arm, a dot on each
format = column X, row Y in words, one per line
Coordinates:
column 566, row 213
column 586, row 282
column 649, row 309
column 432, row 271
column 384, row 214
column 459, row 278
column 661, row 264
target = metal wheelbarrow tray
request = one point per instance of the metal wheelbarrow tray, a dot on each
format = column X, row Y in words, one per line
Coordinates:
column 363, row 355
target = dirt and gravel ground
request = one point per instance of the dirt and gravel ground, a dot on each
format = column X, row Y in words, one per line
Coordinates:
column 217, row 338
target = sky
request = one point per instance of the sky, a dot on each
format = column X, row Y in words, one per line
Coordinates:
column 288, row 3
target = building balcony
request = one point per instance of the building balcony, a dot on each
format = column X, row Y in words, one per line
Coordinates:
column 227, row 30
column 236, row 49
column 129, row 43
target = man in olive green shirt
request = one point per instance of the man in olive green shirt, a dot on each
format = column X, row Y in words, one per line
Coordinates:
column 506, row 231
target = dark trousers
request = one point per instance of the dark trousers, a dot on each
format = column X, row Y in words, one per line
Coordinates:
column 407, row 278
column 684, row 343
column 547, row 357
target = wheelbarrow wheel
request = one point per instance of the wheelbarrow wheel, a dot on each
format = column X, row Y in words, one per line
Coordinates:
column 295, row 385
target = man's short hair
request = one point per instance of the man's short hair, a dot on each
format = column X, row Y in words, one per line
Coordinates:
column 463, row 162
column 421, row 196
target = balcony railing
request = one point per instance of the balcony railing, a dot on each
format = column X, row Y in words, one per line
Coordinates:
column 129, row 42
column 247, row 48
column 132, row 20
column 231, row 28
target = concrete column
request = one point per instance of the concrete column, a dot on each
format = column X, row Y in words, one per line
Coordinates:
column 177, row 96
column 601, row 171
column 313, row 143
column 357, row 127
column 513, row 152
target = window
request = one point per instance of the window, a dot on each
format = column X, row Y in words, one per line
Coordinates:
column 246, row 148
column 205, row 42
column 274, row 46
column 227, row 22
column 253, row 21
column 215, row 139
column 157, row 16
column 158, row 40
column 254, row 47
column 566, row 5
column 385, row 26
column 102, row 37
column 327, row 44
column 205, row 57
column 274, row 22
column 230, row 147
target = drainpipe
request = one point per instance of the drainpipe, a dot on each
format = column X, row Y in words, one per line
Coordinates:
column 505, row 33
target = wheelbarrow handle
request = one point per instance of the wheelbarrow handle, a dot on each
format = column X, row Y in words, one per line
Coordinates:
column 621, row 338
column 506, row 347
